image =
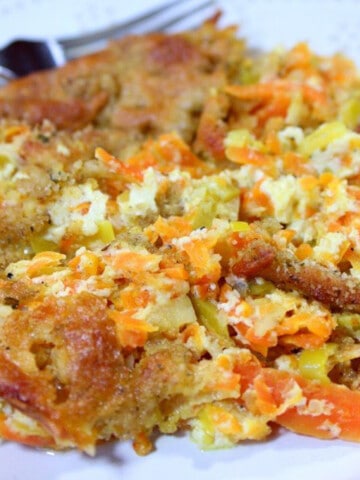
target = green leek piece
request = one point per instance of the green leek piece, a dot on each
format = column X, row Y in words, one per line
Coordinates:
column 210, row 317
column 322, row 137
column 314, row 363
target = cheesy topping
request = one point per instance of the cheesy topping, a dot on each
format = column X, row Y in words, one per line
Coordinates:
column 205, row 278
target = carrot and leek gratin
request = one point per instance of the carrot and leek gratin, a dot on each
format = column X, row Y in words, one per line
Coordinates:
column 180, row 245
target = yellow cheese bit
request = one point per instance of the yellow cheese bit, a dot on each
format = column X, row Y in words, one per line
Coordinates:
column 106, row 232
column 350, row 112
column 243, row 138
column 240, row 227
column 314, row 363
column 322, row 137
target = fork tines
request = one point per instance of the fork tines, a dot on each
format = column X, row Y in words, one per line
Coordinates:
column 174, row 15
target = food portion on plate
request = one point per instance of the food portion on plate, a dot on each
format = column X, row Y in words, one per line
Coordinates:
column 180, row 245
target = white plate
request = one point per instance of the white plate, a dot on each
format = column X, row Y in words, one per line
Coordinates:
column 329, row 26
column 286, row 457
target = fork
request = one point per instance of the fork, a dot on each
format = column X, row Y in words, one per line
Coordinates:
column 22, row 57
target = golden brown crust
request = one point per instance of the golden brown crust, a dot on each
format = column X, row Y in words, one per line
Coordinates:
column 124, row 86
column 212, row 127
column 141, row 326
column 63, row 367
column 16, row 227
column 121, row 96
column 316, row 282
column 261, row 259
column 64, row 114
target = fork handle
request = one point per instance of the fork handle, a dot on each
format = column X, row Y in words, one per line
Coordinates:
column 23, row 57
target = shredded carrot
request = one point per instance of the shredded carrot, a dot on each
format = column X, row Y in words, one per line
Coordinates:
column 287, row 234
column 13, row 131
column 82, row 208
column 259, row 91
column 87, row 263
column 313, row 95
column 206, row 290
column 265, row 401
column 254, row 198
column 293, row 329
column 304, row 251
column 173, row 227
column 130, row 331
column 338, row 412
column 225, row 290
column 44, row 261
column 168, row 152
column 130, row 261
column 257, row 343
column 117, row 166
column 278, row 107
column 296, row 164
column 326, row 178
column 169, row 146
column 135, row 297
column 299, row 57
column 67, row 242
column 308, row 182
column 39, row 441
column 246, row 155
column 228, row 382
column 223, row 420
column 192, row 331
column 177, row 272
column 202, row 259
column 278, row 88
column 272, row 143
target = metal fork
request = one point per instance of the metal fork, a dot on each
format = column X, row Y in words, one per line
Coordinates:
column 22, row 57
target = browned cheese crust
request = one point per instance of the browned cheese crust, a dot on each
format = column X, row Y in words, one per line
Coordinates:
column 261, row 259
column 62, row 362
column 63, row 366
column 116, row 99
column 124, row 87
